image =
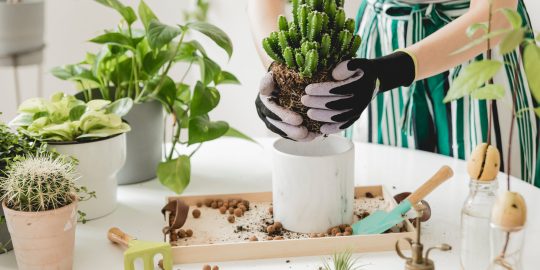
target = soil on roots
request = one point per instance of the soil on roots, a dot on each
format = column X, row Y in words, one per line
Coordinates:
column 291, row 89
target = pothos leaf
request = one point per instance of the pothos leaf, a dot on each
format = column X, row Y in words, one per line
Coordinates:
column 201, row 129
column 127, row 12
column 471, row 78
column 471, row 30
column 76, row 112
column 120, row 106
column 225, row 77
column 513, row 17
column 232, row 132
column 488, row 92
column 511, row 41
column 175, row 174
column 214, row 33
column 204, row 99
column 114, row 38
column 531, row 61
column 146, row 14
column 160, row 34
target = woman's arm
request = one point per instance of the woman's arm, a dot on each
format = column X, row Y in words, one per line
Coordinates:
column 263, row 16
column 434, row 54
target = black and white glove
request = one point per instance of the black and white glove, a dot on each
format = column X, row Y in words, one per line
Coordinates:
column 339, row 104
column 278, row 119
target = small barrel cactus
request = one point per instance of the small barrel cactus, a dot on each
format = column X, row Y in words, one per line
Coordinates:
column 305, row 49
column 39, row 183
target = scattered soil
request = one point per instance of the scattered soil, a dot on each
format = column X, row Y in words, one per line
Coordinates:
column 292, row 88
column 257, row 224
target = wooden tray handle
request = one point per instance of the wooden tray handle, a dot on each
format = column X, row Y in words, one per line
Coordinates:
column 119, row 237
column 443, row 174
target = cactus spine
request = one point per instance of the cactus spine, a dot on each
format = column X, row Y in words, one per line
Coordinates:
column 39, row 183
column 317, row 38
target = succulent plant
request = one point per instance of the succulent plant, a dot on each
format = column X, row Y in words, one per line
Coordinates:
column 39, row 183
column 318, row 37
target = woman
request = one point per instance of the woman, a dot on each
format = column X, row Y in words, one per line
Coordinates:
column 408, row 109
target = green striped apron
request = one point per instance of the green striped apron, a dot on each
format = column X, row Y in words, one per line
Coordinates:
column 415, row 117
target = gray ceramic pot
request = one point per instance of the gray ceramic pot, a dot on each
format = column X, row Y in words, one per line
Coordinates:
column 4, row 234
column 144, row 143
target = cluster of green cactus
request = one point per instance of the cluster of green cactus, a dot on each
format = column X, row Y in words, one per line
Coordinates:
column 318, row 37
column 39, row 183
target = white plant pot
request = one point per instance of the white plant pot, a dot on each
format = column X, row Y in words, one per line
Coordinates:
column 99, row 162
column 313, row 183
column 21, row 30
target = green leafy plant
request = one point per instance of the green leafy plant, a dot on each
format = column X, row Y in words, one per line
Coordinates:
column 65, row 118
column 476, row 79
column 13, row 146
column 199, row 13
column 318, row 37
column 40, row 183
column 342, row 261
column 136, row 63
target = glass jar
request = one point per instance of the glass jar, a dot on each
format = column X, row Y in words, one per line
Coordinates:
column 506, row 248
column 475, row 225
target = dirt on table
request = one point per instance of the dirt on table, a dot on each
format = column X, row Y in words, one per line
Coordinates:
column 256, row 223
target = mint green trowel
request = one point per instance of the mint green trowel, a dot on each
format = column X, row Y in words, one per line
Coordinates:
column 380, row 221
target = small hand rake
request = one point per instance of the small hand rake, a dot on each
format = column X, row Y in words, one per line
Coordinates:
column 141, row 249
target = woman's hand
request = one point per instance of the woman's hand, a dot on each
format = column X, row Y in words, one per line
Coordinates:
column 339, row 104
column 279, row 120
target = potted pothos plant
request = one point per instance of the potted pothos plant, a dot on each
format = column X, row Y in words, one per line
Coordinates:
column 13, row 147
column 39, row 198
column 136, row 63
column 508, row 216
column 91, row 132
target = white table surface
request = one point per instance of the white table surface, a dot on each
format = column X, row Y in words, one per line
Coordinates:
column 233, row 166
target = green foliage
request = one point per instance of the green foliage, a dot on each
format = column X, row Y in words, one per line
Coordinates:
column 318, row 37
column 41, row 183
column 65, row 118
column 474, row 79
column 342, row 261
column 14, row 146
column 136, row 63
column 199, row 12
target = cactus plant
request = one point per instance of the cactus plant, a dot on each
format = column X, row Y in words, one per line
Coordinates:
column 305, row 49
column 39, row 183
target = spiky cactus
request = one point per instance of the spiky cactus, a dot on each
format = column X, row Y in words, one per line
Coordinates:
column 305, row 49
column 318, row 37
column 39, row 183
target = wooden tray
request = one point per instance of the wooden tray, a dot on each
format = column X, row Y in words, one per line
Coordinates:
column 289, row 247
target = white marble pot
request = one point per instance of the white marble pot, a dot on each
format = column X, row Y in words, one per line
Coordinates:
column 313, row 183
column 21, row 31
column 99, row 162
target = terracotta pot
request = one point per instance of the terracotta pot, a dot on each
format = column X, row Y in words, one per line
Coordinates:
column 99, row 162
column 43, row 240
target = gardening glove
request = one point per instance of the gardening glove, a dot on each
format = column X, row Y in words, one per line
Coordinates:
column 339, row 104
column 278, row 119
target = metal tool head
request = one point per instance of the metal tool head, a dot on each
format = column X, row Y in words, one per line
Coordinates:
column 380, row 221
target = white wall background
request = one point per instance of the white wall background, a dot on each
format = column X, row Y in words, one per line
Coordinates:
column 70, row 23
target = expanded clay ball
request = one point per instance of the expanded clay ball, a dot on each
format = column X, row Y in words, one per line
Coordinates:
column 278, row 225
column 339, row 234
column 269, row 238
column 196, row 213
column 335, row 231
column 206, row 267
column 246, row 203
column 189, row 233
column 199, row 204
column 208, row 202
column 181, row 233
column 242, row 206
column 313, row 235
column 349, row 230
column 214, row 205
column 220, row 202
column 238, row 212
column 230, row 219
column 253, row 238
column 346, row 233
column 222, row 210
column 215, row 267
column 270, row 229
column 231, row 210
column 278, row 238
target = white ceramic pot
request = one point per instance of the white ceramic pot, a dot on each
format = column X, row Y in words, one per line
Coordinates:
column 99, row 162
column 313, row 183
column 43, row 240
column 21, row 31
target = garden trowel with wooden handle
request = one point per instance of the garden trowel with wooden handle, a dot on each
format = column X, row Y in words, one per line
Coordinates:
column 380, row 221
column 141, row 249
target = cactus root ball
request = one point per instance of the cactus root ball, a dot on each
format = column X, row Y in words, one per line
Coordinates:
column 291, row 89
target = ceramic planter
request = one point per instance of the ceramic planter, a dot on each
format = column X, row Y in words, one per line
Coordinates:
column 144, row 143
column 99, row 162
column 313, row 183
column 43, row 240
column 21, row 31
column 5, row 243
